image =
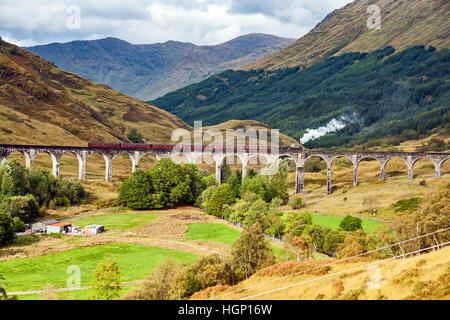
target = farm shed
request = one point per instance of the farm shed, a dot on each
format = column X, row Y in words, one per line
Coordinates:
column 60, row 227
column 42, row 225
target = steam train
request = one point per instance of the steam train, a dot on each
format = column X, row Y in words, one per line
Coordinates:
column 168, row 147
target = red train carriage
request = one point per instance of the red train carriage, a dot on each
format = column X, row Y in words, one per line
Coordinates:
column 101, row 145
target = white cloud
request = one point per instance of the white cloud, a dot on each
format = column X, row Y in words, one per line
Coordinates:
column 30, row 22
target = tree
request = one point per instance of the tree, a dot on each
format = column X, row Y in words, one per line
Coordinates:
column 278, row 185
column 18, row 225
column 301, row 246
column 370, row 202
column 235, row 181
column 158, row 284
column 350, row 223
column 207, row 195
column 12, row 179
column 434, row 215
column 135, row 191
column 106, row 282
column 166, row 185
column 318, row 234
column 353, row 245
column 7, row 233
column 258, row 185
column 257, row 212
column 24, row 207
column 240, row 208
column 294, row 219
column 252, row 251
column 220, row 200
column 195, row 181
column 225, row 172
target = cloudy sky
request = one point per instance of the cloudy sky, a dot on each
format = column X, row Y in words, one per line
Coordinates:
column 31, row 22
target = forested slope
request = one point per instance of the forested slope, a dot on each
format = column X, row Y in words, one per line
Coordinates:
column 372, row 94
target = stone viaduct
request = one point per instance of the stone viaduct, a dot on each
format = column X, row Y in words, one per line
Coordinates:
column 299, row 156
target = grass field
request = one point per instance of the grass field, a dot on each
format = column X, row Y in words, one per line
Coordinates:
column 136, row 261
column 219, row 233
column 212, row 232
column 72, row 295
column 334, row 221
column 117, row 221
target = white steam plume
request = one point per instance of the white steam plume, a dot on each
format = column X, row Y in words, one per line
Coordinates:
column 332, row 126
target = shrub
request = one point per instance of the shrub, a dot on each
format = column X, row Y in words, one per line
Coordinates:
column 51, row 205
column 410, row 204
column 315, row 165
column 135, row 136
column 332, row 241
column 297, row 202
column 210, row 180
column 350, row 223
column 158, row 284
column 62, row 201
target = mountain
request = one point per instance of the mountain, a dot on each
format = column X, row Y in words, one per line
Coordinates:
column 149, row 71
column 41, row 104
column 345, row 99
column 404, row 23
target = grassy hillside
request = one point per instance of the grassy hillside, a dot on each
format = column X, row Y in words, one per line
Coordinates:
column 424, row 276
column 373, row 95
column 148, row 71
column 41, row 104
column 404, row 24
column 246, row 125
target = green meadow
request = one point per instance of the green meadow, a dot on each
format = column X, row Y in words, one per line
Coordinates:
column 117, row 221
column 135, row 261
column 334, row 221
column 212, row 232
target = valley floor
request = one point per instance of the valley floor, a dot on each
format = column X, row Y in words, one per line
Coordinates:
column 37, row 263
